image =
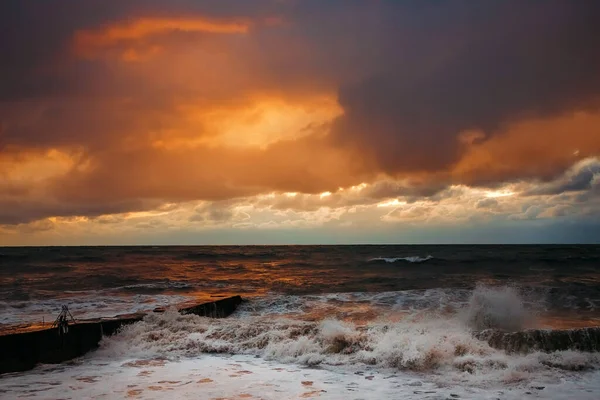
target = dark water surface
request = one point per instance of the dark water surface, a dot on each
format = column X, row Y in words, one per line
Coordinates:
column 563, row 281
column 327, row 322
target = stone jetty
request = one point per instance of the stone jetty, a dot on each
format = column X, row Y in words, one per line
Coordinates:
column 24, row 350
column 527, row 341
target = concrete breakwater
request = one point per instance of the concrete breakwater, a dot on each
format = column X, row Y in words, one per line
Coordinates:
column 23, row 351
column 580, row 339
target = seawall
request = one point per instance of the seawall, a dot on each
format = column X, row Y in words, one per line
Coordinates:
column 23, row 351
column 581, row 339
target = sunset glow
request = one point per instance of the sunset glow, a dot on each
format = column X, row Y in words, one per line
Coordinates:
column 126, row 125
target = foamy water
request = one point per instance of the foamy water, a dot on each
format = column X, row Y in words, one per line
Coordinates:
column 244, row 377
column 104, row 281
column 330, row 322
column 410, row 259
column 292, row 347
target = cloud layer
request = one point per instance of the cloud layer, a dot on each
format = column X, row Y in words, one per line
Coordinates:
column 124, row 108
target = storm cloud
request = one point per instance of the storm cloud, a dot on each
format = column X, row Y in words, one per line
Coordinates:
column 459, row 68
column 109, row 108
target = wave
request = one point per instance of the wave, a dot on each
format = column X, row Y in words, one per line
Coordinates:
column 448, row 343
column 410, row 259
column 156, row 287
column 423, row 345
column 348, row 305
column 498, row 308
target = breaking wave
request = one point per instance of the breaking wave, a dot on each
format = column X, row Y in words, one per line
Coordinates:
column 424, row 341
column 496, row 308
column 410, row 259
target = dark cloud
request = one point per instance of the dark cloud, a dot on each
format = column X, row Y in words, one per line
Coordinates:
column 579, row 178
column 36, row 40
column 488, row 65
column 35, row 44
column 50, row 96
column 213, row 212
column 391, row 189
column 487, row 203
column 13, row 211
column 219, row 212
column 410, row 77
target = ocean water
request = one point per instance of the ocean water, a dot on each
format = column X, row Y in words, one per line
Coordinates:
column 328, row 322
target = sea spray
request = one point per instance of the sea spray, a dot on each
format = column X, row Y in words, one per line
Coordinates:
column 499, row 308
column 379, row 330
column 422, row 341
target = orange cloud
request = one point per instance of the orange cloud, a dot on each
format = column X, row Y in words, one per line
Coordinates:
column 20, row 166
column 257, row 121
column 88, row 42
column 534, row 148
column 207, row 116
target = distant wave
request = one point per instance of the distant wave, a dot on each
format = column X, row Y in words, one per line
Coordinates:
column 156, row 287
column 411, row 259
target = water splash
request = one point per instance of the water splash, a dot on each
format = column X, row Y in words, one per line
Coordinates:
column 499, row 308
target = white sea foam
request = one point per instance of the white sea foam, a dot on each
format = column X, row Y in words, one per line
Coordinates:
column 435, row 341
column 424, row 343
column 426, row 353
column 244, row 377
column 410, row 259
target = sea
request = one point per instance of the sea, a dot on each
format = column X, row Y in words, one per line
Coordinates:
column 318, row 322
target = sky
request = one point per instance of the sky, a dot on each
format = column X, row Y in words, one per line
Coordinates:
column 299, row 121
